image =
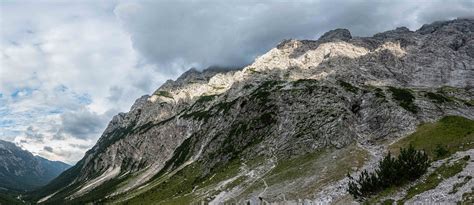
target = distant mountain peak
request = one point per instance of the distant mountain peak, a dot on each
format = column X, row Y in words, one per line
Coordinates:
column 20, row 170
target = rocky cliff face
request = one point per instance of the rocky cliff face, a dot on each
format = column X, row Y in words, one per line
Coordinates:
column 232, row 135
column 21, row 171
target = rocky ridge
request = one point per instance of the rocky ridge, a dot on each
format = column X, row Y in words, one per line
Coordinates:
column 332, row 96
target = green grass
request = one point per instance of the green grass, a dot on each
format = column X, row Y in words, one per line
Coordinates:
column 405, row 98
column 178, row 188
column 177, row 185
column 443, row 172
column 452, row 132
column 376, row 199
column 319, row 164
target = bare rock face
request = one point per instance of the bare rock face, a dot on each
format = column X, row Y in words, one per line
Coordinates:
column 301, row 97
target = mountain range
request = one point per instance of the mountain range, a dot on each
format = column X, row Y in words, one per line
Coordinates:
column 22, row 171
column 290, row 126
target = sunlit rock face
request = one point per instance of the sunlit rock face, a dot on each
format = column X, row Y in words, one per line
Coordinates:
column 302, row 96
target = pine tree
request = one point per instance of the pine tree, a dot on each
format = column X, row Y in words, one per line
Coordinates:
column 408, row 166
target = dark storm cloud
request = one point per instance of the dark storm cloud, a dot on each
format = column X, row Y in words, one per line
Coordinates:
column 83, row 124
column 203, row 33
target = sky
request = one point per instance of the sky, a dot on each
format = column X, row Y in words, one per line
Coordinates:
column 67, row 67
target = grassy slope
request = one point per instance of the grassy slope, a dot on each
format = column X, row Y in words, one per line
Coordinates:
column 178, row 188
column 453, row 132
column 320, row 166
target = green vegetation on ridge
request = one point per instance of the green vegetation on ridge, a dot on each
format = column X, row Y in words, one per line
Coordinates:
column 405, row 98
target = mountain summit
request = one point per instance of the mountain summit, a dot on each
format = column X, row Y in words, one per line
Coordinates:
column 288, row 127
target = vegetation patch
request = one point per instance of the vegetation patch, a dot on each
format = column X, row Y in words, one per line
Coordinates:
column 408, row 166
column 469, row 103
column 180, row 154
column 178, row 188
column 267, row 85
column 247, row 86
column 253, row 71
column 305, row 82
column 405, row 98
column 348, row 87
column 437, row 98
column 460, row 184
column 262, row 93
column 451, row 134
column 97, row 195
column 225, row 106
column 147, row 126
column 243, row 135
column 319, row 165
column 198, row 115
column 443, row 172
column 9, row 199
column 379, row 93
column 467, row 198
column 206, row 98
column 164, row 94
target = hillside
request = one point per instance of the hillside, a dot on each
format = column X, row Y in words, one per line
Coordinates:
column 287, row 127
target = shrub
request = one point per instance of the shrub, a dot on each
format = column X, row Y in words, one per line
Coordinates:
column 440, row 151
column 405, row 98
column 408, row 166
column 438, row 98
column 348, row 87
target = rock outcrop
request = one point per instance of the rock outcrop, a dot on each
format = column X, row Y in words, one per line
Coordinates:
column 336, row 34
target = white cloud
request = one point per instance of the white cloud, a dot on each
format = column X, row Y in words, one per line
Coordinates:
column 61, row 66
column 234, row 32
